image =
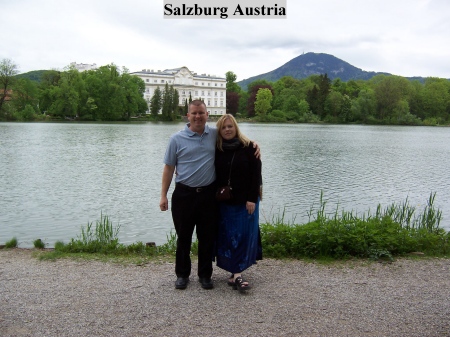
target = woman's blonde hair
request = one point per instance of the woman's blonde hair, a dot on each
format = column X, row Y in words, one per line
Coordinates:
column 239, row 135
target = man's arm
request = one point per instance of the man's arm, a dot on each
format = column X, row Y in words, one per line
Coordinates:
column 166, row 180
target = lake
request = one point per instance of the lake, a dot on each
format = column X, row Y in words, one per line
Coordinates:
column 57, row 177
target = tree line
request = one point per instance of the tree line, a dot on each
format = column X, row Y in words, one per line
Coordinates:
column 384, row 99
column 104, row 94
column 112, row 94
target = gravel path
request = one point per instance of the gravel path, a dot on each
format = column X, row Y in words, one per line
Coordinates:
column 289, row 298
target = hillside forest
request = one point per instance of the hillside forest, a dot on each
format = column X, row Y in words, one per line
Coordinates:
column 112, row 94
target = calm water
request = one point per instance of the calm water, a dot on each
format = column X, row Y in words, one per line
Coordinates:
column 55, row 178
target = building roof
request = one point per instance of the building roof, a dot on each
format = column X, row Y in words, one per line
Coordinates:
column 173, row 71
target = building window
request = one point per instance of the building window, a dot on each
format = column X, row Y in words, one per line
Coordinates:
column 209, row 84
column 162, row 81
column 203, row 93
column 209, row 102
column 203, row 83
column 221, row 94
column 215, row 94
column 215, row 84
column 196, row 83
column 221, row 84
column 156, row 81
column 221, row 103
column 196, row 92
column 146, row 80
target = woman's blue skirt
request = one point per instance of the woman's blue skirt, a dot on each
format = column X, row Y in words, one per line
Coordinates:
column 238, row 243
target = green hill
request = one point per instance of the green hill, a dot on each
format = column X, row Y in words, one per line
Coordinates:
column 35, row 75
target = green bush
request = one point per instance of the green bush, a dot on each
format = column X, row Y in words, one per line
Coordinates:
column 11, row 243
column 39, row 244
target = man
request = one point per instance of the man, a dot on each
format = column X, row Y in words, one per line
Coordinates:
column 191, row 151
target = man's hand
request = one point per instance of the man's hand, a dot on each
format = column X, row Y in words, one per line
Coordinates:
column 257, row 151
column 164, row 204
column 166, row 180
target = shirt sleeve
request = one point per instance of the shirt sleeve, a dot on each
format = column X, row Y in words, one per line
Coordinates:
column 170, row 158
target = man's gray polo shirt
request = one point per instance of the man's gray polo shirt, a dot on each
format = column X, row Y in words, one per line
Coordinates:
column 193, row 156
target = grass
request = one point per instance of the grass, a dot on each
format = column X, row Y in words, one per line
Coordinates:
column 392, row 231
column 39, row 244
column 100, row 241
column 396, row 230
column 11, row 243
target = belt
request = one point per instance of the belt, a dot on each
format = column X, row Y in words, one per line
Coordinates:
column 193, row 189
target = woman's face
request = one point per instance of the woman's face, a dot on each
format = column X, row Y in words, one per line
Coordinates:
column 228, row 131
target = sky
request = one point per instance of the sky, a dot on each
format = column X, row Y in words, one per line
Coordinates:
column 402, row 37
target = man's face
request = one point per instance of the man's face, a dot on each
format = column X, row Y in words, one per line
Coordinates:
column 197, row 117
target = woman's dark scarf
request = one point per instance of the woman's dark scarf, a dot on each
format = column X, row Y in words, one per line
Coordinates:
column 231, row 144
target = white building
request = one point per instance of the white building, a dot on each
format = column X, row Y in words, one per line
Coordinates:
column 83, row 66
column 209, row 88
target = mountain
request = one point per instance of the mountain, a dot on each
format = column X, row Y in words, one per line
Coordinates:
column 34, row 75
column 309, row 64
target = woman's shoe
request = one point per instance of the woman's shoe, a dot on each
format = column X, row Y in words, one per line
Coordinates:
column 239, row 284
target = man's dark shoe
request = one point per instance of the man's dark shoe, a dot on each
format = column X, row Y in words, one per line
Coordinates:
column 206, row 282
column 181, row 283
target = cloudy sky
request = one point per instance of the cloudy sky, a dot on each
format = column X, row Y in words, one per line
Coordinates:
column 402, row 37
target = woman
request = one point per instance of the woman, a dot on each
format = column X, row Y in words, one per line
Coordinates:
column 239, row 240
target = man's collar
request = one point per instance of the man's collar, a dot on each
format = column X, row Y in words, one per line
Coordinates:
column 192, row 133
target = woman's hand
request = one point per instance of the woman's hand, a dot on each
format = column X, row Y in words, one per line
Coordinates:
column 250, row 207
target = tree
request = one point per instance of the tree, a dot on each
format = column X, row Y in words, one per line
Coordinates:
column 166, row 103
column 156, row 102
column 175, row 101
column 25, row 92
column 185, row 108
column 231, row 85
column 303, row 107
column 389, row 90
column 232, row 103
column 316, row 97
column 333, row 104
column 345, row 114
column 170, row 102
column 26, row 114
column 436, row 98
column 291, row 104
column 364, row 106
column 8, row 70
column 252, row 91
column 133, row 89
column 263, row 102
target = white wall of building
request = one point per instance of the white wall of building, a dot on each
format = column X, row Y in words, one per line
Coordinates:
column 209, row 88
column 83, row 66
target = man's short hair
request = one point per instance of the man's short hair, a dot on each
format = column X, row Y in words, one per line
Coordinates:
column 197, row 102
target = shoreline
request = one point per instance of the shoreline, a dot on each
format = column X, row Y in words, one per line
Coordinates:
column 70, row 297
